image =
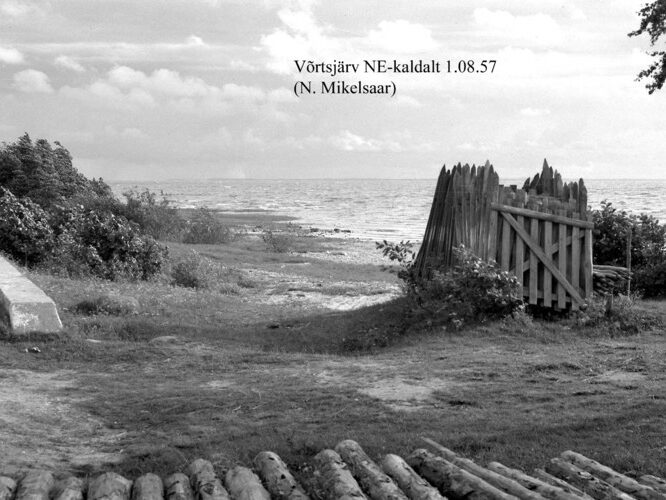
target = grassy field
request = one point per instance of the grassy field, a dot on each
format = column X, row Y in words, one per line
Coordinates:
column 295, row 351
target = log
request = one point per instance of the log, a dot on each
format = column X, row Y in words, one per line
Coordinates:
column 277, row 478
column 148, row 487
column 414, row 486
column 243, row 484
column 204, row 481
column 109, row 486
column 7, row 488
column 499, row 481
column 35, row 485
column 451, row 480
column 372, row 479
column 595, row 487
column 334, row 477
column 655, row 482
column 177, row 487
column 69, row 488
column 619, row 481
column 541, row 487
column 556, row 481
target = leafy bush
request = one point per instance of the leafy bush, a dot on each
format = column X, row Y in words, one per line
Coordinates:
column 205, row 228
column 616, row 316
column 116, row 305
column 25, row 232
column 199, row 272
column 159, row 219
column 278, row 242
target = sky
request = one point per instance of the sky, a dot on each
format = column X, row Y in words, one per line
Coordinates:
column 164, row 89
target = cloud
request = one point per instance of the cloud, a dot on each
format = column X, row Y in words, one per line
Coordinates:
column 502, row 25
column 533, row 112
column 31, row 80
column 9, row 55
column 195, row 41
column 402, row 37
column 16, row 9
column 69, row 63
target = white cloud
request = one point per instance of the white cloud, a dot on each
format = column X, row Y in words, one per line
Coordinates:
column 501, row 25
column 10, row 55
column 533, row 112
column 69, row 63
column 14, row 9
column 195, row 41
column 162, row 81
column 348, row 141
column 31, row 80
column 402, row 37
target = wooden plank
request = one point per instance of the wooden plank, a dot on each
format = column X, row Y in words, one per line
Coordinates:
column 542, row 216
column 534, row 267
column 575, row 261
column 492, row 224
column 547, row 276
column 562, row 263
column 587, row 264
column 546, row 262
column 505, row 253
column 520, row 254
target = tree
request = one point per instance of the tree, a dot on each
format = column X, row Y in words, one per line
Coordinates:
column 653, row 22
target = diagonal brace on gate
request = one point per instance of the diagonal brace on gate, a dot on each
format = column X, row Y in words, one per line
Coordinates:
column 547, row 261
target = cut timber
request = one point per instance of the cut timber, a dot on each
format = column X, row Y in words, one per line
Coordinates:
column 537, row 485
column 243, row 484
column 414, row 486
column 204, row 481
column 556, row 481
column 109, row 486
column 499, row 481
column 277, row 478
column 335, row 478
column 620, row 481
column 597, row 488
column 372, row 479
column 69, row 488
column 35, row 485
column 148, row 487
column 7, row 488
column 451, row 480
column 655, row 482
column 177, row 487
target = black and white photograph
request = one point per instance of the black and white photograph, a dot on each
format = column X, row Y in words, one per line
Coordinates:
column 314, row 249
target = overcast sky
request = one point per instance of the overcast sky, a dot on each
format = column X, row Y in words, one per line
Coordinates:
column 157, row 89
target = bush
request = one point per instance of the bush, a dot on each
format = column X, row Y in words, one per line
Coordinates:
column 25, row 232
column 159, row 219
column 116, row 305
column 205, row 228
column 278, row 242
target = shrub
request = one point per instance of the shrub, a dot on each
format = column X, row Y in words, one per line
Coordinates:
column 159, row 219
column 116, row 305
column 25, row 232
column 205, row 228
column 278, row 242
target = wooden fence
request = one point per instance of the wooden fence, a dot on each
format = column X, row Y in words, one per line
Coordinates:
column 542, row 233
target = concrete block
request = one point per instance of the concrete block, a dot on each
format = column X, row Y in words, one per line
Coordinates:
column 25, row 306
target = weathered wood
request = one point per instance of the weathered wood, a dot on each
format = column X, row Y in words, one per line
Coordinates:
column 69, row 488
column 537, row 485
column 575, row 263
column 595, row 487
column 7, row 488
column 556, row 481
column 413, row 485
column 372, row 479
column 109, row 486
column 204, row 481
column 35, row 485
column 534, row 271
column 562, row 264
column 506, row 246
column 243, row 484
column 533, row 214
column 620, row 481
column 148, row 487
column 277, row 478
column 547, row 276
column 493, row 478
column 655, row 482
column 335, row 478
column 177, row 487
column 451, row 480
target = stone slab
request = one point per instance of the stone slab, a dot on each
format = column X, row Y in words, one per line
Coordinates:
column 25, row 306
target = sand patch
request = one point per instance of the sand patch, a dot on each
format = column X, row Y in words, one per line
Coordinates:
column 39, row 426
column 407, row 394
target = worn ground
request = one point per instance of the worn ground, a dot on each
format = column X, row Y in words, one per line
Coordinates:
column 310, row 347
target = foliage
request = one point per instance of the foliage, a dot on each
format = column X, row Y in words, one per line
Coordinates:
column 159, row 219
column 25, row 232
column 205, row 228
column 651, row 280
column 278, row 242
column 616, row 316
column 402, row 253
column 653, row 22
column 199, row 272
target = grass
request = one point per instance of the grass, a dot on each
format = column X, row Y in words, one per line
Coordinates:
column 266, row 369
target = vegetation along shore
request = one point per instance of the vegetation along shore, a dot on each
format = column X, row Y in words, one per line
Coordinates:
column 196, row 334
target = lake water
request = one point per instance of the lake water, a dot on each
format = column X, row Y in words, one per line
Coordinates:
column 371, row 208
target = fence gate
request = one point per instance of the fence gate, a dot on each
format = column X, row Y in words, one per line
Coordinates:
column 542, row 233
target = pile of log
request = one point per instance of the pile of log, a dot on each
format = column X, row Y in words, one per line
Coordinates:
column 348, row 473
column 610, row 280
